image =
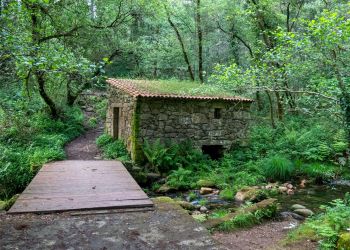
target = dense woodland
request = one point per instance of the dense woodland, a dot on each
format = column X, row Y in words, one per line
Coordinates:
column 291, row 56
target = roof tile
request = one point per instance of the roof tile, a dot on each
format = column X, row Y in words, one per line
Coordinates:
column 132, row 89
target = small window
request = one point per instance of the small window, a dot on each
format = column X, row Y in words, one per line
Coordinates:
column 217, row 113
column 214, row 151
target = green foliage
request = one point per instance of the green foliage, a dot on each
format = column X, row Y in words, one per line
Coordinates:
column 319, row 171
column 327, row 226
column 112, row 148
column 181, row 179
column 25, row 146
column 228, row 194
column 248, row 219
column 278, row 168
column 164, row 157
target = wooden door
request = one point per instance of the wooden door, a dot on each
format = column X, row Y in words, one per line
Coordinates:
column 116, row 122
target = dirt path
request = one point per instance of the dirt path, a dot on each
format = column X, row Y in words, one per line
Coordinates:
column 267, row 236
column 84, row 147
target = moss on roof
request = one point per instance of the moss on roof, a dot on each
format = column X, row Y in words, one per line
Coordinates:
column 181, row 88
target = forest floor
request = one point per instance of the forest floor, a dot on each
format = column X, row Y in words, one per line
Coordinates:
column 267, row 236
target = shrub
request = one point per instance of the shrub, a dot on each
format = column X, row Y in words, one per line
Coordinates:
column 112, row 148
column 38, row 140
column 165, row 157
column 228, row 194
column 278, row 168
column 181, row 179
column 320, row 172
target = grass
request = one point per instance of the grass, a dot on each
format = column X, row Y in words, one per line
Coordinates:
column 181, row 88
column 29, row 142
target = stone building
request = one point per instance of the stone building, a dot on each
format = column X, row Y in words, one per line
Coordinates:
column 137, row 113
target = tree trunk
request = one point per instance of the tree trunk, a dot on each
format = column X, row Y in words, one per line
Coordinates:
column 200, row 41
column 184, row 52
column 280, row 109
column 41, row 83
column 273, row 124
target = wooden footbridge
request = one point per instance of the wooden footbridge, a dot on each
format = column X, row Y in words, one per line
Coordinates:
column 81, row 185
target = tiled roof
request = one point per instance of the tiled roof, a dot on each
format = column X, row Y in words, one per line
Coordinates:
column 132, row 89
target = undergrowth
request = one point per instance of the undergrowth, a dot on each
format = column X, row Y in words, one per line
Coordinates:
column 327, row 226
column 29, row 140
column 112, row 149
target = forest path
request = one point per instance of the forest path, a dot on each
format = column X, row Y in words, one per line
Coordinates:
column 84, row 147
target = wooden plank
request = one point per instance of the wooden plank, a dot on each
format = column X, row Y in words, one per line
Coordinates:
column 81, row 185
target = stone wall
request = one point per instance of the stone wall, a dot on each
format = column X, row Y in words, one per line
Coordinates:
column 126, row 105
column 179, row 120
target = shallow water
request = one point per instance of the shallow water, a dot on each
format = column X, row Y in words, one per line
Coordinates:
column 312, row 197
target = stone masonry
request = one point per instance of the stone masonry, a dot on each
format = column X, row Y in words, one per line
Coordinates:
column 204, row 120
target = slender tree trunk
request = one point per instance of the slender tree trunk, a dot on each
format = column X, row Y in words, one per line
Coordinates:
column 41, row 83
column 200, row 41
column 280, row 109
column 273, row 124
column 184, row 52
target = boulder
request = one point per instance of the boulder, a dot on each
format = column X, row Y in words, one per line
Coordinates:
column 214, row 222
column 344, row 241
column 297, row 206
column 289, row 186
column 203, row 209
column 246, row 194
column 2, row 205
column 186, row 205
column 290, row 191
column 165, row 189
column 205, row 183
column 304, row 212
column 282, row 189
column 206, row 190
column 288, row 215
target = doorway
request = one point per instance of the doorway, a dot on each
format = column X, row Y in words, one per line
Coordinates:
column 115, row 122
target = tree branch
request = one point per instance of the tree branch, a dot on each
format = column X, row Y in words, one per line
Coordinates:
column 238, row 38
column 60, row 34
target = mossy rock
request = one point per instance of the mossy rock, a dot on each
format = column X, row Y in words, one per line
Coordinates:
column 10, row 202
column 344, row 241
column 186, row 205
column 2, row 205
column 205, row 183
column 164, row 199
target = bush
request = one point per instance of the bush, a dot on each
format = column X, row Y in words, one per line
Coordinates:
column 37, row 140
column 111, row 148
column 278, row 168
column 168, row 156
column 181, row 179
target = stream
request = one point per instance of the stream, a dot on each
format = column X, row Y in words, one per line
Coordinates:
column 311, row 197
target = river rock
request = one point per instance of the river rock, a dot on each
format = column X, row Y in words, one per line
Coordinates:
column 286, row 215
column 297, row 206
column 304, row 212
column 165, row 189
column 186, row 205
column 282, row 189
column 205, row 183
column 289, row 186
column 246, row 194
column 203, row 209
column 290, row 191
column 206, row 190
